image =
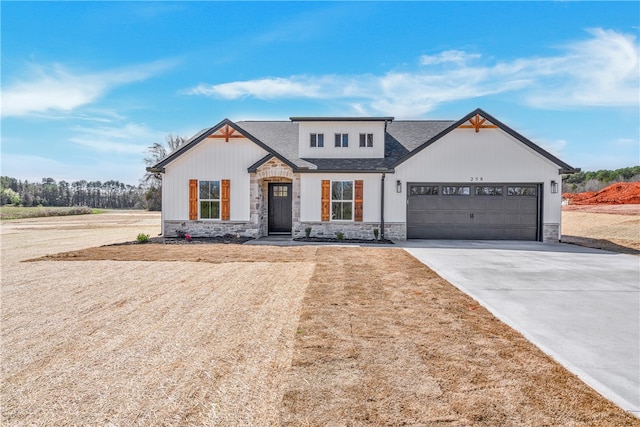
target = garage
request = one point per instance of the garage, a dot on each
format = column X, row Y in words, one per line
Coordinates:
column 474, row 211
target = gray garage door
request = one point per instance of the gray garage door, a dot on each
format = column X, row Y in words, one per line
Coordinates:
column 473, row 211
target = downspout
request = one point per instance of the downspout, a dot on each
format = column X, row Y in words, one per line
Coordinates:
column 382, row 207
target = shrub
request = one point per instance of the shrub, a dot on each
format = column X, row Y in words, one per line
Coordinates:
column 142, row 238
column 340, row 235
column 375, row 233
column 307, row 232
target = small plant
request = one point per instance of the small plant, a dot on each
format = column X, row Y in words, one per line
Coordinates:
column 142, row 238
column 188, row 237
column 340, row 235
column 307, row 232
column 375, row 233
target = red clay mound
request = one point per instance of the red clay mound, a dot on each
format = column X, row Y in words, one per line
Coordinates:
column 620, row 193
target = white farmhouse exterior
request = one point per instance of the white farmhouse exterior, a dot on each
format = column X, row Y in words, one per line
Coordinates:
column 474, row 178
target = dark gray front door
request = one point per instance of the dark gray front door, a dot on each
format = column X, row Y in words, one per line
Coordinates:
column 473, row 211
column 279, row 208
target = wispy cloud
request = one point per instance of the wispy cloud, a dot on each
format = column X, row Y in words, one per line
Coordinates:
column 599, row 71
column 449, row 56
column 56, row 88
column 131, row 138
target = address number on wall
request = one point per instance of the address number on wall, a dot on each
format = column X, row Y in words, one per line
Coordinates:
column 476, row 178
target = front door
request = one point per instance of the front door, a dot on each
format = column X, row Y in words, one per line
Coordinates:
column 280, row 208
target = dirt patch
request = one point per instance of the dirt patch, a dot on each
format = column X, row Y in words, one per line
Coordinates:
column 618, row 193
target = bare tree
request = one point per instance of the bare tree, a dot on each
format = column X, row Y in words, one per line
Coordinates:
column 153, row 180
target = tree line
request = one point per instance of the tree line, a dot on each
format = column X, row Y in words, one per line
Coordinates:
column 597, row 180
column 94, row 194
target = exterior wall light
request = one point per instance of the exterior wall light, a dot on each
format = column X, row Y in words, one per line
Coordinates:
column 554, row 186
column 398, row 186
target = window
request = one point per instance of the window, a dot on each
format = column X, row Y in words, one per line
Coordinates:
column 342, row 200
column 488, row 191
column 280, row 191
column 424, row 190
column 342, row 140
column 455, row 190
column 316, row 140
column 521, row 191
column 366, row 140
column 209, row 199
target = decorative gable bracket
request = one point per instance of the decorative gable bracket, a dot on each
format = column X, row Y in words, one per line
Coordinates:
column 478, row 122
column 226, row 132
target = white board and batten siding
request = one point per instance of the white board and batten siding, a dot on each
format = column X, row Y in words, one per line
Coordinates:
column 311, row 195
column 463, row 156
column 329, row 129
column 211, row 159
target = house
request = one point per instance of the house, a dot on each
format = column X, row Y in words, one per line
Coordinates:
column 474, row 178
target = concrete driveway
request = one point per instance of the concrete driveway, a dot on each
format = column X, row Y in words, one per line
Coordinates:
column 580, row 306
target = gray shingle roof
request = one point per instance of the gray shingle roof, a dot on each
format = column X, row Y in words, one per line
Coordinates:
column 403, row 139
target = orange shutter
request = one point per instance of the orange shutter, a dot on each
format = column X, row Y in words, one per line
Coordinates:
column 357, row 205
column 326, row 199
column 226, row 197
column 193, row 199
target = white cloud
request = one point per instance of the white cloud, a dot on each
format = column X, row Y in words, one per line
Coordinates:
column 268, row 88
column 55, row 88
column 131, row 138
column 449, row 56
column 602, row 70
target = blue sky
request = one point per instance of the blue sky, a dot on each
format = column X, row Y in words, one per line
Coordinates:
column 88, row 86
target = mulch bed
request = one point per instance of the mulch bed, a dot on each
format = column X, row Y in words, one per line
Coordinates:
column 335, row 240
column 239, row 240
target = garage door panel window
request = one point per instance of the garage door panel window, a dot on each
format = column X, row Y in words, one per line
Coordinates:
column 424, row 190
column 488, row 191
column 342, row 200
column 456, row 190
column 521, row 191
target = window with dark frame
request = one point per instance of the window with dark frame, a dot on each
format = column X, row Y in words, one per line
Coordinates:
column 316, row 140
column 489, row 190
column 342, row 200
column 209, row 195
column 456, row 190
column 341, row 139
column 366, row 140
column 523, row 190
column 424, row 190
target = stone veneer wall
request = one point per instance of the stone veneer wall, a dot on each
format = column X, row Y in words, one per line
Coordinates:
column 272, row 171
column 210, row 228
column 351, row 230
column 551, row 233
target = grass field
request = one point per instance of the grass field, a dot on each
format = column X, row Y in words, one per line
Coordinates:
column 257, row 335
column 17, row 212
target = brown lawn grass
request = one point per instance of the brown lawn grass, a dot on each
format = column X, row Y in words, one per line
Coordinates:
column 251, row 335
column 611, row 227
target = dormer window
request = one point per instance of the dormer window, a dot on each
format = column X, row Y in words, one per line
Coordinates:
column 316, row 140
column 366, row 140
column 342, row 139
